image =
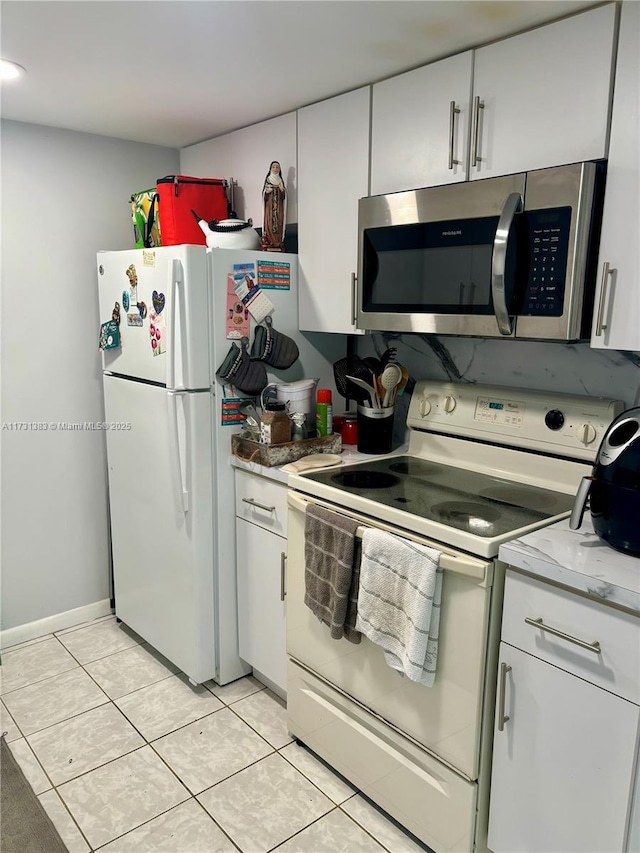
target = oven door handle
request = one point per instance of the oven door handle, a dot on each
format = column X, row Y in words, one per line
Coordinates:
column 512, row 205
column 459, row 563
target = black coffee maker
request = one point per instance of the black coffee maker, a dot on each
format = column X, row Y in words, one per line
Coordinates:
column 613, row 489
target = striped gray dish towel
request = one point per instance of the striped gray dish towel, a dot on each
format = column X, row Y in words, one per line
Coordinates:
column 330, row 554
column 399, row 602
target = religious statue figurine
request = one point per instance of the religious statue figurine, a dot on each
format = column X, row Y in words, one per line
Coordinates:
column 273, row 195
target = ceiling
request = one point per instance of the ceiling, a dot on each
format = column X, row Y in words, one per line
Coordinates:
column 176, row 72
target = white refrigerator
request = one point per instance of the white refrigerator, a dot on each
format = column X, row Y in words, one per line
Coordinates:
column 171, row 485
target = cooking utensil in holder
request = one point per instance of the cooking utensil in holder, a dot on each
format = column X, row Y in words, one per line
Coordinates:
column 375, row 429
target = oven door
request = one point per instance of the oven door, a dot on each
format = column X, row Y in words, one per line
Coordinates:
column 444, row 719
column 443, row 260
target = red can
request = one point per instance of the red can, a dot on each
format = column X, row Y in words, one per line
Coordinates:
column 349, row 432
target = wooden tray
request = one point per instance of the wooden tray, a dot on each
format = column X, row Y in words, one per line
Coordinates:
column 273, row 455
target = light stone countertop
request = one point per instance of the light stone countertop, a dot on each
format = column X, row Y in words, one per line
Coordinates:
column 580, row 560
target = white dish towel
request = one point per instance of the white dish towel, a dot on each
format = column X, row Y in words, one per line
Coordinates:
column 399, row 602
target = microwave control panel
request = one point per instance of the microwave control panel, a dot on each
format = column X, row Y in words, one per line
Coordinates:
column 548, row 255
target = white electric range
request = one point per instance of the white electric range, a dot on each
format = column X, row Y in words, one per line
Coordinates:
column 484, row 465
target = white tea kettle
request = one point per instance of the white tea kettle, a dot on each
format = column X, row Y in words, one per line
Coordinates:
column 232, row 233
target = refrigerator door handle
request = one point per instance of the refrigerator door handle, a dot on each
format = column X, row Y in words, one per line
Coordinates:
column 175, row 279
column 174, row 449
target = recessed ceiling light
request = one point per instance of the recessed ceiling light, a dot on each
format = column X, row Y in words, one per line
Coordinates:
column 10, row 70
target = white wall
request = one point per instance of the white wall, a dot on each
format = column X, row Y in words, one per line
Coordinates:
column 64, row 196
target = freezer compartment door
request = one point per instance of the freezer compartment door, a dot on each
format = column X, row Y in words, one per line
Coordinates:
column 167, row 292
column 162, row 519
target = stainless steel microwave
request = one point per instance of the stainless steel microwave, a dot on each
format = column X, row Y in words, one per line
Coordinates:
column 512, row 256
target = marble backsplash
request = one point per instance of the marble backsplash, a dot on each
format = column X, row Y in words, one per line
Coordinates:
column 540, row 366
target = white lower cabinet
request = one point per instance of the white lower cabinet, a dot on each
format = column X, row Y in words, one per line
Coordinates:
column 565, row 750
column 261, row 572
column 563, row 763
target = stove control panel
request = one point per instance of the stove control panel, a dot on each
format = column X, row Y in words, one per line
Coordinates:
column 559, row 424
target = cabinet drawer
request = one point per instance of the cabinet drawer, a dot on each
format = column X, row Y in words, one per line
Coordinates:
column 262, row 501
column 616, row 667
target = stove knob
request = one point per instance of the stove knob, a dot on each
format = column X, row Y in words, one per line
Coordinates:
column 554, row 419
column 425, row 407
column 587, row 434
column 449, row 404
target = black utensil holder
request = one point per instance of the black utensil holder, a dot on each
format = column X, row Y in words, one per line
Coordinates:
column 375, row 429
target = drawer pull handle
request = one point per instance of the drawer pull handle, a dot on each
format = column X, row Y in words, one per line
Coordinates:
column 477, row 106
column 251, row 502
column 283, row 586
column 502, row 717
column 600, row 323
column 453, row 112
column 590, row 647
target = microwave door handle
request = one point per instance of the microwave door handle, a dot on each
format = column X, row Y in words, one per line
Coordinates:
column 512, row 206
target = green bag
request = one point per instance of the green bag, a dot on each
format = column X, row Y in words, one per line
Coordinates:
column 146, row 224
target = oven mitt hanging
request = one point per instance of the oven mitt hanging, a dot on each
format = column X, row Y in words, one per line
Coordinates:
column 274, row 348
column 240, row 370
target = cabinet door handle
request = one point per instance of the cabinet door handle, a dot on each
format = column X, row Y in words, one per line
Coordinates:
column 502, row 717
column 283, row 562
column 606, row 274
column 354, row 299
column 590, row 647
column 453, row 111
column 477, row 106
column 251, row 502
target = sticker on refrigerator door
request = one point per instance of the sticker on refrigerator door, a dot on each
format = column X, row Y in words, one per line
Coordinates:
column 125, row 300
column 157, row 334
column 274, row 275
column 242, row 270
column 142, row 309
column 148, row 259
column 158, row 300
column 231, row 413
column 249, row 293
column 237, row 317
column 132, row 275
column 109, row 335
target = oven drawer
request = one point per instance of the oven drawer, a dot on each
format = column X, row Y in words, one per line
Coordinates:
column 262, row 502
column 615, row 667
column 423, row 795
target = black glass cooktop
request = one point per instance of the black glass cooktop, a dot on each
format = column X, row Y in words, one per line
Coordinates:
column 477, row 503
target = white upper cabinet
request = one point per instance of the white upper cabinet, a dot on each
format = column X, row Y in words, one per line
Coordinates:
column 420, row 126
column 253, row 149
column 617, row 309
column 210, row 159
column 544, row 96
column 333, row 174
column 246, row 155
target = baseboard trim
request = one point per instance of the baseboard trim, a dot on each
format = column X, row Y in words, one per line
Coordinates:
column 33, row 630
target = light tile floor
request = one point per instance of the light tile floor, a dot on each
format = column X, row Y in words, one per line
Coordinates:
column 126, row 756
